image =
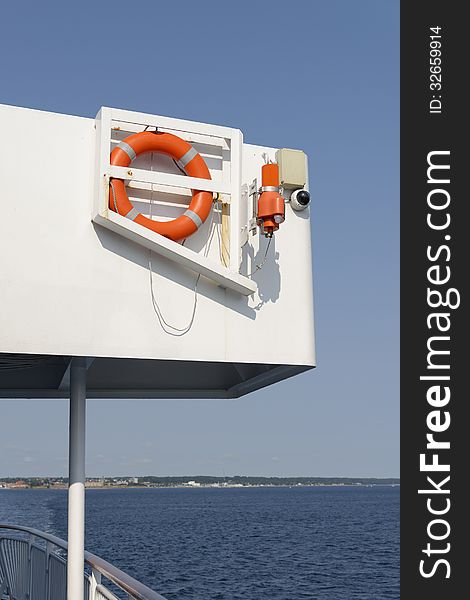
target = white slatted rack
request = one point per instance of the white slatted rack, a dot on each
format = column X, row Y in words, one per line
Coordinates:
column 227, row 183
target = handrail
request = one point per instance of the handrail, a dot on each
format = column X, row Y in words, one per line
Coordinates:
column 127, row 583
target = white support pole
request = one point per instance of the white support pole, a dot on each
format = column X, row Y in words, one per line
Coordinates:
column 76, row 500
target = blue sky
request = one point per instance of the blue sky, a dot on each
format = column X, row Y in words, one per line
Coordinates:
column 318, row 75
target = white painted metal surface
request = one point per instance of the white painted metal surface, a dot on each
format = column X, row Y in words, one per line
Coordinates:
column 178, row 253
column 70, row 287
column 76, row 491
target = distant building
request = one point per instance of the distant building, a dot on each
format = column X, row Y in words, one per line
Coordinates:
column 19, row 485
column 94, row 484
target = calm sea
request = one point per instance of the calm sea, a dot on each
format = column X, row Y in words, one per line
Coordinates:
column 320, row 543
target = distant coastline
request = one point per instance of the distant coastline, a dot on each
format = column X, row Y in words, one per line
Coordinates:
column 192, row 482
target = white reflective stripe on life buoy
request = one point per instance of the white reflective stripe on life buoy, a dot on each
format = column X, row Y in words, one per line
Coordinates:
column 132, row 214
column 186, row 158
column 195, row 218
column 129, row 150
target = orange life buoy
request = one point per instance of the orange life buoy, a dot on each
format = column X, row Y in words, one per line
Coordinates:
column 187, row 158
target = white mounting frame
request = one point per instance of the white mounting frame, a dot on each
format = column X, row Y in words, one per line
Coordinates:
column 229, row 187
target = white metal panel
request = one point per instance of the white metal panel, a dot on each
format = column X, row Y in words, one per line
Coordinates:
column 281, row 311
column 70, row 287
column 180, row 254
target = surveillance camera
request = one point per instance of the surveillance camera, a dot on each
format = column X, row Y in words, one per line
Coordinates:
column 300, row 199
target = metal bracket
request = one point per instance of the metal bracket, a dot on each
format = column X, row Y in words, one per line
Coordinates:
column 244, row 216
column 65, row 382
column 253, row 222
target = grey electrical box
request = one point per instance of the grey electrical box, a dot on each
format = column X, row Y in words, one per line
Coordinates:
column 292, row 168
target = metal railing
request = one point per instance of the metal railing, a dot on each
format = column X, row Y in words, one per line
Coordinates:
column 33, row 566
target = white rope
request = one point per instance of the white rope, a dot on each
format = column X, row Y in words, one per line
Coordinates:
column 222, row 245
column 168, row 327
column 265, row 258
